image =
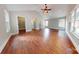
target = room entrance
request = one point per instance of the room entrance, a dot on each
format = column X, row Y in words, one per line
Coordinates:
column 21, row 24
column 45, row 23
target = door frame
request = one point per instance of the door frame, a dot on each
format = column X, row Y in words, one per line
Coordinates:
column 18, row 23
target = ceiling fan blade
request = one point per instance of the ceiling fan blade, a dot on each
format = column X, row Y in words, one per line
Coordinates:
column 49, row 9
column 46, row 9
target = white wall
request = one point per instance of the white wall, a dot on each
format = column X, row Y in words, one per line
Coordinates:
column 54, row 23
column 3, row 34
column 29, row 16
column 74, row 40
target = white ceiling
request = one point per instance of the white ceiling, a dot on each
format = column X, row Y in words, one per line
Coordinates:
column 58, row 10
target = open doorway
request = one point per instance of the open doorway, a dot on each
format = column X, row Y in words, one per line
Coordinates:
column 62, row 24
column 21, row 24
column 45, row 24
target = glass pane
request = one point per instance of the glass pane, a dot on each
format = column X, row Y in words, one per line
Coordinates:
column 62, row 23
column 7, row 24
column 46, row 23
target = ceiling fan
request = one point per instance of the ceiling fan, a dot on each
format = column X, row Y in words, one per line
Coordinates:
column 46, row 9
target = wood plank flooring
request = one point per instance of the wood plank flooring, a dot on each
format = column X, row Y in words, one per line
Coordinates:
column 45, row 41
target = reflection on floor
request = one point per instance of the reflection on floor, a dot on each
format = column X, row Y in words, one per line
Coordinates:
column 47, row 41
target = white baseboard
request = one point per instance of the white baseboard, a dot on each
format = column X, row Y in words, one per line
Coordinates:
column 1, row 49
column 74, row 43
column 14, row 33
column 53, row 28
column 5, row 43
column 28, row 30
column 37, row 28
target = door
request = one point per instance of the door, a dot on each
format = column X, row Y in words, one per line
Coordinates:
column 21, row 24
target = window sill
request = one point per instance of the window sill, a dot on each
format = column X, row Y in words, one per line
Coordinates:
column 77, row 36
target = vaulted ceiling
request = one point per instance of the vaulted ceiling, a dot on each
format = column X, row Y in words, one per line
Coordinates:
column 58, row 10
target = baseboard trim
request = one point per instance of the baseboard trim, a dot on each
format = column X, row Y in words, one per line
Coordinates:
column 3, row 46
column 72, row 41
column 28, row 30
column 14, row 33
column 54, row 28
column 5, row 43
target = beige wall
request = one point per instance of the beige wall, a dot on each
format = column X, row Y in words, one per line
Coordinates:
column 29, row 16
column 4, row 36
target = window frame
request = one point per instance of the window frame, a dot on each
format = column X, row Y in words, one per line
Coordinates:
column 74, row 19
column 7, row 21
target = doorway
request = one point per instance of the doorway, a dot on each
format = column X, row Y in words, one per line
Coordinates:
column 62, row 24
column 45, row 23
column 21, row 24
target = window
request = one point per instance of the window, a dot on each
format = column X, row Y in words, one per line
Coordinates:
column 46, row 23
column 7, row 21
column 76, row 23
column 72, row 21
column 61, row 23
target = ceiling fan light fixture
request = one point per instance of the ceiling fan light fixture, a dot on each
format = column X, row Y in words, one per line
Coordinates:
column 46, row 9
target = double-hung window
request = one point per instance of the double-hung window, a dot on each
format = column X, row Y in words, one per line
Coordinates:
column 7, row 22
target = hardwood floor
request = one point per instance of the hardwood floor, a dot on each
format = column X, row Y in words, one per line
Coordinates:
column 45, row 41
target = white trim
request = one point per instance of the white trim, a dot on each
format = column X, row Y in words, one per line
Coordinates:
column 75, row 35
column 28, row 30
column 74, row 43
column 1, row 48
column 37, row 28
column 53, row 28
column 14, row 33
